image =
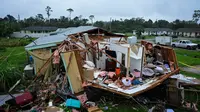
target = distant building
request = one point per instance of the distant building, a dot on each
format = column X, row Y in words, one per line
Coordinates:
column 156, row 31
column 188, row 32
column 34, row 31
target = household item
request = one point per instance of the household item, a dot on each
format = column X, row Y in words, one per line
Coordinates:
column 54, row 109
column 94, row 109
column 83, row 98
column 88, row 74
column 166, row 65
column 159, row 70
column 136, row 73
column 147, row 72
column 158, row 53
column 102, row 73
column 111, row 74
column 28, row 70
column 136, row 82
column 89, row 65
column 117, row 71
column 73, row 103
column 126, row 82
column 150, row 65
column 21, row 100
column 110, row 65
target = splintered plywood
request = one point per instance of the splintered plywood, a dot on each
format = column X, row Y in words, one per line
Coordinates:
column 73, row 73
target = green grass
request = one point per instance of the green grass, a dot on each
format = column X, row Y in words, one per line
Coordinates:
column 13, row 42
column 12, row 62
column 149, row 37
column 196, row 41
column 129, row 34
column 190, row 57
column 17, row 57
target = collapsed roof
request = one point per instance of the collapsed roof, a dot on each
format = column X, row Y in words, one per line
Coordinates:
column 60, row 36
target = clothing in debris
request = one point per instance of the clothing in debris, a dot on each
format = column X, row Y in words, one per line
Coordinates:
column 147, row 72
column 56, row 57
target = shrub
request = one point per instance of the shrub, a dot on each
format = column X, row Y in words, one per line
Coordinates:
column 2, row 49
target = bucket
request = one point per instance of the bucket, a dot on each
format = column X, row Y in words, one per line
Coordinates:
column 117, row 71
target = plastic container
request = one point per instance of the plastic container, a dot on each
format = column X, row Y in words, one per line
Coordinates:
column 73, row 103
column 117, row 71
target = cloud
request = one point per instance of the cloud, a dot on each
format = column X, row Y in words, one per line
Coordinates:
column 103, row 9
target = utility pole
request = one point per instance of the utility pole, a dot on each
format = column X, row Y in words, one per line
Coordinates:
column 110, row 24
column 18, row 18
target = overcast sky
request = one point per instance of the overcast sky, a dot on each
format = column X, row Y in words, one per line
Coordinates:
column 103, row 9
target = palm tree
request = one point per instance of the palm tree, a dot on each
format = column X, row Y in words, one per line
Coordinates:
column 91, row 17
column 70, row 10
column 48, row 10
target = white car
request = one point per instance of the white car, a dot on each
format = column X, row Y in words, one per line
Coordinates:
column 184, row 44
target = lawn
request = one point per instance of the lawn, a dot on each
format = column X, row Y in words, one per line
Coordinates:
column 13, row 42
column 129, row 34
column 12, row 61
column 12, row 57
column 190, row 57
column 149, row 37
column 196, row 41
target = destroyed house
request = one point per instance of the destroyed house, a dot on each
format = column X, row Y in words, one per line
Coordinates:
column 86, row 56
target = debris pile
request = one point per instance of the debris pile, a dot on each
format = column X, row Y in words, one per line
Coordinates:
column 82, row 62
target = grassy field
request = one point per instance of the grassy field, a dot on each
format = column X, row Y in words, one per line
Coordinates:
column 129, row 34
column 13, row 42
column 190, row 57
column 149, row 37
column 12, row 57
column 196, row 41
column 12, row 61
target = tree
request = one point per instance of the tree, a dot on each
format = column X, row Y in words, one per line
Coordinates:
column 48, row 10
column 10, row 18
column 196, row 15
column 70, row 10
column 80, row 17
column 91, row 17
column 139, row 31
column 39, row 17
column 162, row 23
column 148, row 24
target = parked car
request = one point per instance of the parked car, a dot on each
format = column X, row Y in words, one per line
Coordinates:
column 184, row 44
column 164, row 40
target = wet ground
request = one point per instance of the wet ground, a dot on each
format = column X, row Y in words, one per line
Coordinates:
column 195, row 70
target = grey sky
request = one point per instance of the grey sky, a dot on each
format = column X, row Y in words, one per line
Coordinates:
column 103, row 9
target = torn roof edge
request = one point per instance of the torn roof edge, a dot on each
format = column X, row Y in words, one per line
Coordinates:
column 62, row 36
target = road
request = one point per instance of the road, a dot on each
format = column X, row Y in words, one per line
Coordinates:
column 192, row 70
